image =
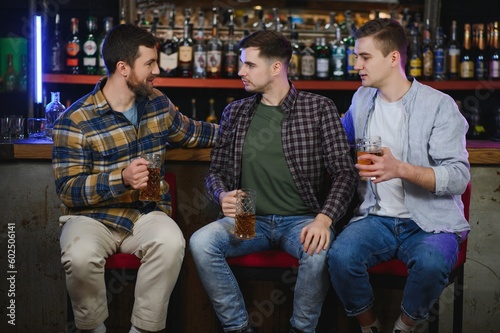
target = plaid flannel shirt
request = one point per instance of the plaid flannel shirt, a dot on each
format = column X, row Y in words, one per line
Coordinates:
column 315, row 147
column 93, row 144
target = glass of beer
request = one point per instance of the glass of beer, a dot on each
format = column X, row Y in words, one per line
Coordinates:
column 152, row 191
column 368, row 145
column 244, row 225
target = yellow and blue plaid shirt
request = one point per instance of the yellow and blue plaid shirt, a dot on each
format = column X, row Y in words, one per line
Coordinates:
column 93, row 144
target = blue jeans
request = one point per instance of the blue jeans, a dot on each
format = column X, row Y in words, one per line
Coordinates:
column 213, row 243
column 430, row 257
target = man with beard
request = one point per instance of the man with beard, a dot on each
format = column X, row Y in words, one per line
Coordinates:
column 99, row 173
column 291, row 148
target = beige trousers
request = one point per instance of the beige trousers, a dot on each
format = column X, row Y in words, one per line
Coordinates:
column 85, row 245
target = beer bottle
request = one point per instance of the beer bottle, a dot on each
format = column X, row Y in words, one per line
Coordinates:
column 214, row 49
column 231, row 50
column 494, row 65
column 427, row 52
column 73, row 50
column 9, row 77
column 453, row 54
column 57, row 49
column 480, row 66
column 466, row 58
column 90, row 48
column 439, row 56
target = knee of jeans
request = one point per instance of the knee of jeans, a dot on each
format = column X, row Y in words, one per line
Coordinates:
column 340, row 257
column 316, row 261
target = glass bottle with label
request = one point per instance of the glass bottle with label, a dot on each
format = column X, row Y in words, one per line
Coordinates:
column 294, row 65
column 212, row 118
column 466, row 58
column 439, row 56
column 322, row 59
column 349, row 41
column 308, row 62
column 480, row 66
column 73, row 50
column 169, row 51
column 90, row 49
column 427, row 53
column 52, row 111
column 186, row 43
column 494, row 64
column 108, row 24
column 338, row 56
column 414, row 55
column 214, row 49
column 231, row 50
column 453, row 54
column 57, row 49
column 200, row 50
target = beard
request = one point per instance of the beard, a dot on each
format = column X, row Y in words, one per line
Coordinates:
column 140, row 89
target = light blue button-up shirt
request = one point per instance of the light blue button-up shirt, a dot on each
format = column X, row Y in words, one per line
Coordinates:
column 433, row 135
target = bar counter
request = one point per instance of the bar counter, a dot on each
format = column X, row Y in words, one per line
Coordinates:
column 480, row 152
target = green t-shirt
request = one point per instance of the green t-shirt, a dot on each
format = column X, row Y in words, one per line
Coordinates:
column 264, row 167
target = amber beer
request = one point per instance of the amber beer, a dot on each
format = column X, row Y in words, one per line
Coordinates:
column 152, row 190
column 368, row 145
column 244, row 226
column 244, row 223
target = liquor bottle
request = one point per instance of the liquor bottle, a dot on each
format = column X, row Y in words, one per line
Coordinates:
column 260, row 23
column 200, row 51
column 193, row 109
column 466, row 58
column 169, row 51
column 186, row 43
column 214, row 49
column 9, row 77
column 90, row 48
column 212, row 118
column 351, row 72
column 331, row 25
column 57, row 49
column 427, row 53
column 414, row 55
column 52, row 111
column 322, row 59
column 108, row 24
column 307, row 62
column 338, row 56
column 494, row 65
column 439, row 56
column 453, row 54
column 480, row 67
column 22, row 76
column 73, row 50
column 294, row 65
column 231, row 50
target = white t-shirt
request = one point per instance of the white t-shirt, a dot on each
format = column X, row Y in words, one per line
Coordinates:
column 386, row 122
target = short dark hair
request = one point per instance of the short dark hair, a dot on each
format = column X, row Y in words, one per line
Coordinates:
column 271, row 44
column 122, row 44
column 388, row 34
